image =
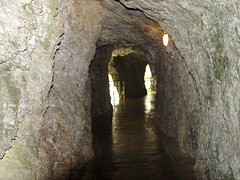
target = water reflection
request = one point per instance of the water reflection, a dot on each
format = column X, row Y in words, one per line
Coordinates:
column 130, row 147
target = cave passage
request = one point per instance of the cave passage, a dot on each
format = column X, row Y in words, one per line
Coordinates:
column 127, row 144
column 130, row 148
column 56, row 115
column 117, row 87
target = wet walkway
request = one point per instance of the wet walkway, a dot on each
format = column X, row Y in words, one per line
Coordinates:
column 129, row 146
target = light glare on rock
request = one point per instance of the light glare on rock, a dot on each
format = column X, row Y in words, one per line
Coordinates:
column 165, row 39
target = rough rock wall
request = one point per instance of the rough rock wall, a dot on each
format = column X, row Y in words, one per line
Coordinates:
column 38, row 81
column 101, row 107
column 29, row 34
column 46, row 48
column 66, row 138
column 207, row 36
column 66, row 134
column 101, row 102
column 177, row 104
column 127, row 27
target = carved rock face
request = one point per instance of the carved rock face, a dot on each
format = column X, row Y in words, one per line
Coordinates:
column 45, row 94
column 197, row 75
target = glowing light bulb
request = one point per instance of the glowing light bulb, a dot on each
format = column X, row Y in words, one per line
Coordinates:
column 165, row 39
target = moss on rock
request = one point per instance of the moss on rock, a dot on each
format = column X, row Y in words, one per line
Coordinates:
column 12, row 90
column 220, row 60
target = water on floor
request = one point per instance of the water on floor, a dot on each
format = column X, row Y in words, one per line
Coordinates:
column 130, row 148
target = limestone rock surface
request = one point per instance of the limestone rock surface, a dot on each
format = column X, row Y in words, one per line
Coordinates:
column 46, row 48
column 207, row 36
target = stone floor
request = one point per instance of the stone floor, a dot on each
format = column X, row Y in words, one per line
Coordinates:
column 130, row 147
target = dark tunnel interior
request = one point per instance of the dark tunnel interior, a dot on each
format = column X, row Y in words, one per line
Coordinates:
column 126, row 142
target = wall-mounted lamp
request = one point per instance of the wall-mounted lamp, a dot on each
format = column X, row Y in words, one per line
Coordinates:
column 165, row 39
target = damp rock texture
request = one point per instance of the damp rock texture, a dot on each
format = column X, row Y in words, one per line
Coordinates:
column 66, row 132
column 46, row 49
column 28, row 36
column 101, row 108
column 45, row 88
column 197, row 74
column 206, row 33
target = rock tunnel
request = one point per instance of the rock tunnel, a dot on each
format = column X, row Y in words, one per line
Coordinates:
column 54, row 55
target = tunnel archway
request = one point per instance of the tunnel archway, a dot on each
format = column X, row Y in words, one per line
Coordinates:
column 102, row 119
column 46, row 49
column 129, row 70
column 66, row 117
column 175, row 86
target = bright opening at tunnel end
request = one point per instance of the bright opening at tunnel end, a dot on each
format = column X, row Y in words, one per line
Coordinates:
column 148, row 79
column 114, row 95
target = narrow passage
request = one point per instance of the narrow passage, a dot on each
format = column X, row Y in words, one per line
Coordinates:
column 129, row 146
